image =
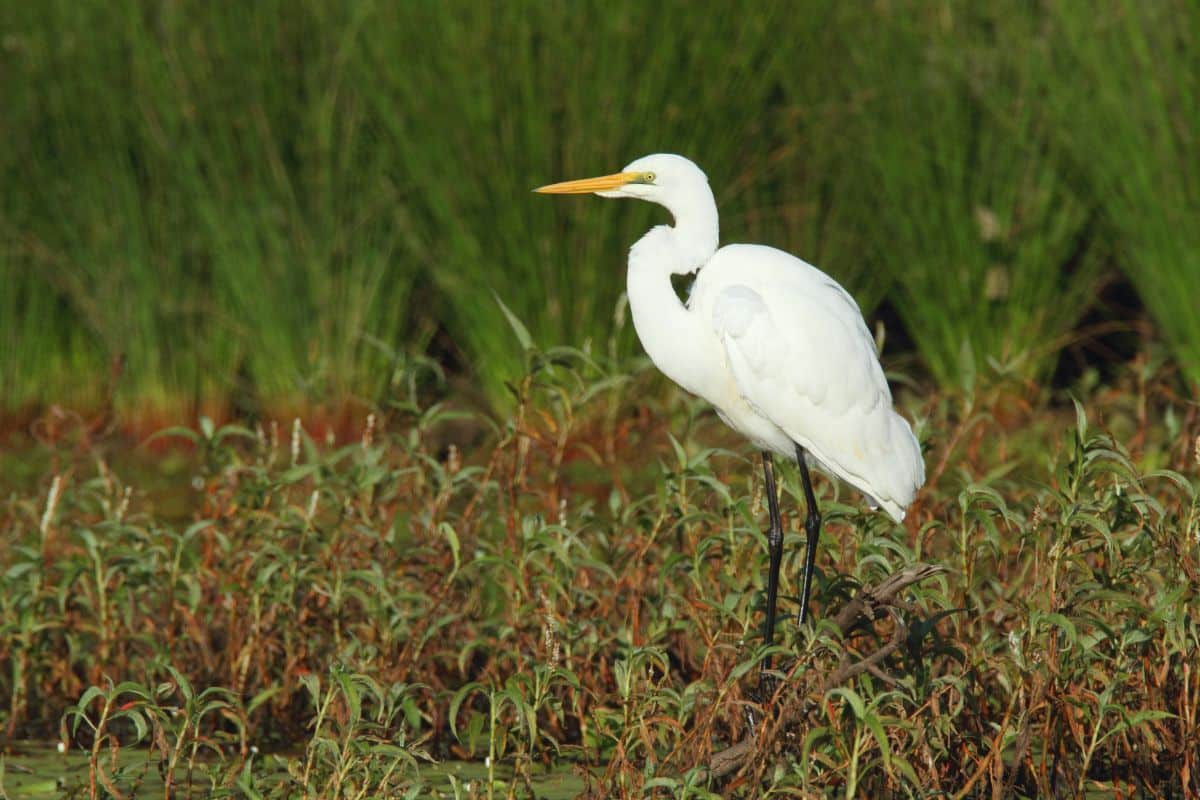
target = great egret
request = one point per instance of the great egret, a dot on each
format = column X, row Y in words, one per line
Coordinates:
column 777, row 346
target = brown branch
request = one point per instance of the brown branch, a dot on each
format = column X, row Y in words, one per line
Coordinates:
column 732, row 758
column 867, row 606
column 869, row 601
column 883, row 676
column 852, row 670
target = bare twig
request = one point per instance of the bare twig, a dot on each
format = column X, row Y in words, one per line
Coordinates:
column 869, row 602
column 850, row 670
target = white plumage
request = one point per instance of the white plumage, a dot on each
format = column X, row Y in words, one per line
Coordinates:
column 802, row 369
column 777, row 346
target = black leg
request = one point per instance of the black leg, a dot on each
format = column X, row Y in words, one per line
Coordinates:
column 775, row 545
column 812, row 529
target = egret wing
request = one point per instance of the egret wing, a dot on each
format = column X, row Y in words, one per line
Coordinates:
column 794, row 343
column 802, row 357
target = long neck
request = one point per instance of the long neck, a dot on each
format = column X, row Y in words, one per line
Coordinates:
column 672, row 335
column 696, row 228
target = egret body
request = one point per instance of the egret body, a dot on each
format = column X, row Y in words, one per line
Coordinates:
column 777, row 346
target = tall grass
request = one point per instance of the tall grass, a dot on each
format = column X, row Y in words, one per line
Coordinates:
column 242, row 202
column 971, row 211
column 1126, row 99
column 271, row 207
column 193, row 190
column 504, row 98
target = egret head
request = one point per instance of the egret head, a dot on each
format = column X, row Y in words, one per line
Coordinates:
column 663, row 178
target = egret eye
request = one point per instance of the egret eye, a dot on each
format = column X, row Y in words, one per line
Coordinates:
column 648, row 177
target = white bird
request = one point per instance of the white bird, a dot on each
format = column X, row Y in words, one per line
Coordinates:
column 777, row 346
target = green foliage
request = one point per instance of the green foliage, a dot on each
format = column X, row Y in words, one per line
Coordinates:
column 267, row 206
column 200, row 193
column 964, row 202
column 359, row 746
column 1125, row 95
column 172, row 719
column 213, row 210
column 578, row 588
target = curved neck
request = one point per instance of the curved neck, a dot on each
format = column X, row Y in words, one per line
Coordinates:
column 672, row 335
column 697, row 228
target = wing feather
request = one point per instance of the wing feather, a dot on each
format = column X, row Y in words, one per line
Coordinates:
column 802, row 358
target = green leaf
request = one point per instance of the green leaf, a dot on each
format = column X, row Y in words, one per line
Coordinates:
column 141, row 726
column 876, row 727
column 1137, row 718
column 185, row 686
column 176, row 430
column 852, row 697
column 312, row 684
column 231, row 430
column 1081, row 423
column 133, row 688
column 518, row 327
column 660, row 782
column 457, row 701
column 90, row 694
column 448, row 532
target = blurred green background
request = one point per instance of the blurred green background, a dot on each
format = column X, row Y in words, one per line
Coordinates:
column 217, row 207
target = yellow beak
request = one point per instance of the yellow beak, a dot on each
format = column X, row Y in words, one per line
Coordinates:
column 588, row 185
